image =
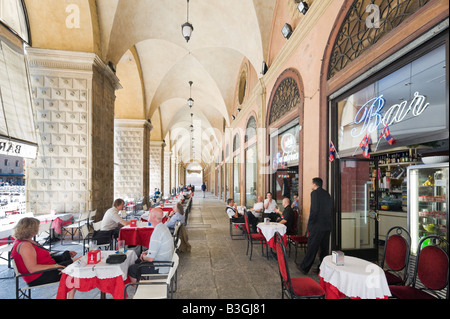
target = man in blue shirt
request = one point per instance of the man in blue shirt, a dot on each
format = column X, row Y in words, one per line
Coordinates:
column 160, row 248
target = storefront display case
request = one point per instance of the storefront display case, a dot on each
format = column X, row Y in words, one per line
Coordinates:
column 427, row 201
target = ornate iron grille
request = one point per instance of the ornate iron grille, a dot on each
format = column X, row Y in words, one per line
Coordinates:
column 286, row 98
column 366, row 22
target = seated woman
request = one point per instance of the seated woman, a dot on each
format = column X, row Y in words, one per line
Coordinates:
column 31, row 257
column 174, row 216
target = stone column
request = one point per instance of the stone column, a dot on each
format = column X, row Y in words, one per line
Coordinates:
column 131, row 155
column 156, row 166
column 73, row 99
column 173, row 171
column 167, row 167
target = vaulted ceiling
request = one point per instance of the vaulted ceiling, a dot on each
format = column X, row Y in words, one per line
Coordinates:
column 155, row 63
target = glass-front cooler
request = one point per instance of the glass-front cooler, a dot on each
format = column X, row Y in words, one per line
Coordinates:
column 427, row 202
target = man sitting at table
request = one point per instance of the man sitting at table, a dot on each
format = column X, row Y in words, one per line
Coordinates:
column 287, row 217
column 112, row 221
column 236, row 217
column 160, row 248
column 258, row 207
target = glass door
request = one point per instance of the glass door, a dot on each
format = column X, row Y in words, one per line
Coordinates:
column 357, row 213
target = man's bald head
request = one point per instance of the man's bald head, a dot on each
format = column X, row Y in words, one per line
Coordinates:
column 156, row 216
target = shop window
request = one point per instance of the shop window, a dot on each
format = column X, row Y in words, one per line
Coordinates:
column 411, row 100
column 365, row 24
column 250, row 176
column 237, row 179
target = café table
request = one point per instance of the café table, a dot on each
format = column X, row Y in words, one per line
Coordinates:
column 139, row 235
column 269, row 230
column 356, row 279
column 108, row 278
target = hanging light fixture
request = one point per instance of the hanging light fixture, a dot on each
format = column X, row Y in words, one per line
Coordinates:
column 190, row 101
column 191, row 127
column 187, row 28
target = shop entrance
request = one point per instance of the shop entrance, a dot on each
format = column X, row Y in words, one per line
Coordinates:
column 357, row 209
column 285, row 184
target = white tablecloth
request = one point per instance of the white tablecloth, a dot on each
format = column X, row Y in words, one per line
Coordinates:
column 269, row 230
column 357, row 278
column 102, row 270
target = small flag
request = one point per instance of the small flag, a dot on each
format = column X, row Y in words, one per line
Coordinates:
column 333, row 152
column 386, row 133
column 365, row 146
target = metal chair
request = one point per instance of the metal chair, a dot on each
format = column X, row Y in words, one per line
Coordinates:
column 24, row 291
column 294, row 288
column 45, row 233
column 254, row 238
column 82, row 219
column 396, row 255
column 430, row 277
column 157, row 288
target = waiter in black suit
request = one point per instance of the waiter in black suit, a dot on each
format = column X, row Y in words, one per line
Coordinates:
column 319, row 225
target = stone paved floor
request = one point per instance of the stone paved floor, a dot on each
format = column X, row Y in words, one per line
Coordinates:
column 216, row 268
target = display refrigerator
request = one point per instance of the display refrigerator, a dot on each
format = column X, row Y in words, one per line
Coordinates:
column 428, row 186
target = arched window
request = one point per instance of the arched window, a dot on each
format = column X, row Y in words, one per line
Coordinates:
column 236, row 143
column 250, row 131
column 13, row 15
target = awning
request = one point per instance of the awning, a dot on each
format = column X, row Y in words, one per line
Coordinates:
column 17, row 130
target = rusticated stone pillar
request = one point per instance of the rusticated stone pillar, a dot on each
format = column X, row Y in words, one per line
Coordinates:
column 131, row 155
column 73, row 98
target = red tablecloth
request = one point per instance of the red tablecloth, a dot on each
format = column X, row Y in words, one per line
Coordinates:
column 114, row 286
column 136, row 235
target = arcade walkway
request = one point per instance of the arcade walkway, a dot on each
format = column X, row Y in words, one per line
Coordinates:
column 216, row 268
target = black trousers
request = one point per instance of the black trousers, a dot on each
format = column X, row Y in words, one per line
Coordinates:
column 318, row 241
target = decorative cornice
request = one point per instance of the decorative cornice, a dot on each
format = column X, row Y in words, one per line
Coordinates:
column 132, row 123
column 69, row 61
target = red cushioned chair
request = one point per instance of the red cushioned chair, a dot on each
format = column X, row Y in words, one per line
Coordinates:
column 296, row 240
column 396, row 255
column 295, row 288
column 254, row 238
column 430, row 278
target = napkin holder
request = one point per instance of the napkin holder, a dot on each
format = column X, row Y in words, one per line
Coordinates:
column 94, row 257
column 337, row 257
column 133, row 223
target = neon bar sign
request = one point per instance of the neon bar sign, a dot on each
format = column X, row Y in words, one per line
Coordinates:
column 370, row 113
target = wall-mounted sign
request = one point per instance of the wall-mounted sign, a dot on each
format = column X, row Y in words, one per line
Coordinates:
column 370, row 114
column 14, row 148
column 412, row 100
column 285, row 149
